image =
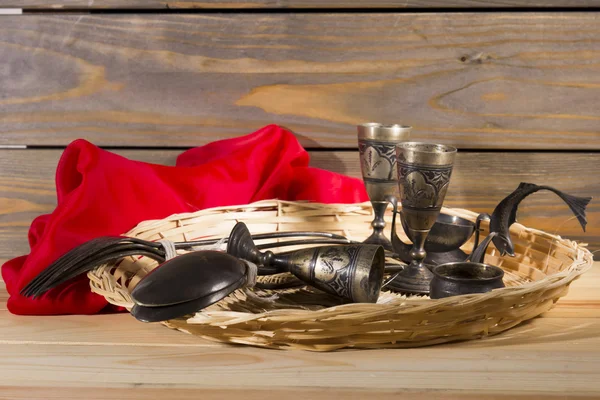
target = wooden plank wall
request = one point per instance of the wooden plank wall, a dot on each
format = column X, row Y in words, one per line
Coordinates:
column 288, row 4
column 513, row 86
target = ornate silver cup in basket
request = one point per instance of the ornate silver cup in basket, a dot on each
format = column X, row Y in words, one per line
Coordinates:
column 424, row 172
column 377, row 146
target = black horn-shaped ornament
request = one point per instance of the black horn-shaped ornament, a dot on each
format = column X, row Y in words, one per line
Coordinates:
column 353, row 272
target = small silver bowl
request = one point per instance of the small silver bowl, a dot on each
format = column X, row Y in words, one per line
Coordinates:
column 454, row 279
column 447, row 234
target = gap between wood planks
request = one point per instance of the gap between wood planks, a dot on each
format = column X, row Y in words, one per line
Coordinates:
column 307, row 148
column 316, row 10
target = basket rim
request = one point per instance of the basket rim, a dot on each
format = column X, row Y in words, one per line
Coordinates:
column 580, row 264
column 394, row 321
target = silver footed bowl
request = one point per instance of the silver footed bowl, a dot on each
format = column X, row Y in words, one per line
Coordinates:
column 447, row 234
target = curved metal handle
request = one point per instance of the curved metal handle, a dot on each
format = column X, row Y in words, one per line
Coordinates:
column 478, row 254
column 480, row 217
column 400, row 248
column 394, row 202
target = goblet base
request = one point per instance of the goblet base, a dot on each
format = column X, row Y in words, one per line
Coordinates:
column 445, row 257
column 379, row 239
column 414, row 279
column 432, row 258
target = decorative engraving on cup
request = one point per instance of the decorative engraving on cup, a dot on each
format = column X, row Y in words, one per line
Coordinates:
column 335, row 266
column 331, row 262
column 352, row 271
column 378, row 160
column 423, row 187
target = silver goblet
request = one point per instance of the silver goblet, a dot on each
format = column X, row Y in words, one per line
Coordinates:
column 424, row 172
column 351, row 271
column 377, row 146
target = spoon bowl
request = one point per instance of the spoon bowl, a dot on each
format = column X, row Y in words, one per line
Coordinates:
column 189, row 277
column 165, row 313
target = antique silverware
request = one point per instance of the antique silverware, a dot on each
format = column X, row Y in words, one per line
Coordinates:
column 459, row 278
column 449, row 233
column 464, row 277
column 164, row 313
column 89, row 256
column 424, row 172
column 377, row 147
column 188, row 277
column 96, row 252
column 186, row 284
column 443, row 243
column 505, row 213
column 353, row 272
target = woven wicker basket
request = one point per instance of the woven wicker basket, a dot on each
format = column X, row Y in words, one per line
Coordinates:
column 539, row 274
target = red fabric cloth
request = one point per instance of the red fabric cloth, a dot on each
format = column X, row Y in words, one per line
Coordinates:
column 101, row 193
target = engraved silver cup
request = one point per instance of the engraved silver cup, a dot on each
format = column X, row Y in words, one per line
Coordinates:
column 424, row 172
column 377, row 146
column 353, row 272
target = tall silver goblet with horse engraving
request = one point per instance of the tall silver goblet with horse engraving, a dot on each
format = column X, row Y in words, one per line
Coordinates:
column 377, row 146
column 424, row 172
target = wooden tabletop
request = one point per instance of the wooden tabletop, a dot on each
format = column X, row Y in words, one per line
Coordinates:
column 115, row 356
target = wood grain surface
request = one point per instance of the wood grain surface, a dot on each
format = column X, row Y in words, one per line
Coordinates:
column 479, row 182
column 144, row 393
column 553, row 370
column 504, row 81
column 283, row 4
column 555, row 356
column 474, row 80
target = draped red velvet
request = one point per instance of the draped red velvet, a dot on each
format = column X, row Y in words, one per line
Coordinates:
column 101, row 193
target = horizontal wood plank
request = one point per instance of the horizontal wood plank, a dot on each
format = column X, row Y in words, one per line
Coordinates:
column 569, row 370
column 283, row 4
column 474, row 80
column 479, row 182
column 74, row 329
column 143, row 393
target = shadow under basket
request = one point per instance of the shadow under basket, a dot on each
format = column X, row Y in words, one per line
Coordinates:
column 303, row 318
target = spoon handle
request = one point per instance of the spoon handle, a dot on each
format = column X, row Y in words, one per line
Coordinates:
column 260, row 236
